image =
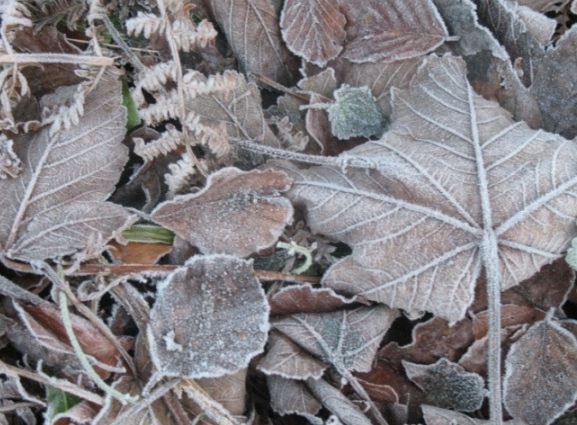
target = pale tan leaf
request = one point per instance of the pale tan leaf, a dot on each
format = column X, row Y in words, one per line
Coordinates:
column 438, row 416
column 286, row 359
column 347, row 339
column 195, row 327
column 56, row 205
column 455, row 185
column 253, row 31
column 541, row 378
column 313, row 29
column 391, row 30
column 237, row 213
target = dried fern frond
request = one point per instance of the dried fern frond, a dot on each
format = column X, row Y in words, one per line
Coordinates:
column 145, row 24
column 49, row 12
column 14, row 86
column 179, row 179
column 196, row 84
column 64, row 107
column 165, row 108
column 14, row 14
column 168, row 141
column 290, row 139
column 189, row 36
column 153, row 79
column 215, row 137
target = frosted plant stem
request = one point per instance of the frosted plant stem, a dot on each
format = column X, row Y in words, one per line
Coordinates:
column 363, row 394
column 494, row 335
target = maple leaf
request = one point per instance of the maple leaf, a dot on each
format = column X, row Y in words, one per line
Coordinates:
column 56, row 205
column 455, row 185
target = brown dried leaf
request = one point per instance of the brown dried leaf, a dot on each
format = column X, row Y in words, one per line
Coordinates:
column 541, row 378
column 346, row 339
column 417, row 217
column 194, row 328
column 511, row 315
column 56, row 205
column 237, row 213
column 291, row 396
column 313, row 29
column 286, row 359
column 447, row 385
column 252, row 29
column 391, row 30
column 306, row 299
column 228, row 390
column 432, row 340
column 554, row 86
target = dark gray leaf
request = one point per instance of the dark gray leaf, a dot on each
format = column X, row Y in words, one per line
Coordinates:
column 448, row 385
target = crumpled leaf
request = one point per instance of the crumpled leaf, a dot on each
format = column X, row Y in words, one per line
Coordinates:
column 454, row 185
column 448, row 385
column 252, row 29
column 237, row 213
column 56, row 205
column 347, row 339
column 541, row 378
column 313, row 29
column 195, row 329
column 391, row 30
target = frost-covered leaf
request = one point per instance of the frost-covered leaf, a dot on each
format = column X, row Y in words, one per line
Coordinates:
column 391, row 30
column 541, row 377
column 291, row 396
column 337, row 403
column 56, row 205
column 306, row 299
column 355, row 113
column 237, row 213
column 448, row 385
column 58, row 402
column 253, row 31
column 286, row 359
column 554, row 86
column 453, row 186
column 10, row 165
column 347, row 339
column 313, row 29
column 210, row 318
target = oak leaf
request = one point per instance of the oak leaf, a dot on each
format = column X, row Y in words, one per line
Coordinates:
column 455, row 185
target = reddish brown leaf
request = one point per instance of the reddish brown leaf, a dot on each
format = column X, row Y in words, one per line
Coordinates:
column 138, row 252
column 541, row 377
column 313, row 29
column 511, row 315
column 237, row 213
column 391, row 30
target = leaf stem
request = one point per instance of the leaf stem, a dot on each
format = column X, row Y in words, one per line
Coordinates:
column 354, row 383
column 123, row 398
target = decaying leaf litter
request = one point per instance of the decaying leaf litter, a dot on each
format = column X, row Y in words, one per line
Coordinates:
column 316, row 212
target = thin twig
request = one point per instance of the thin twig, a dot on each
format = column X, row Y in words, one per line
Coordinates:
column 37, row 58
